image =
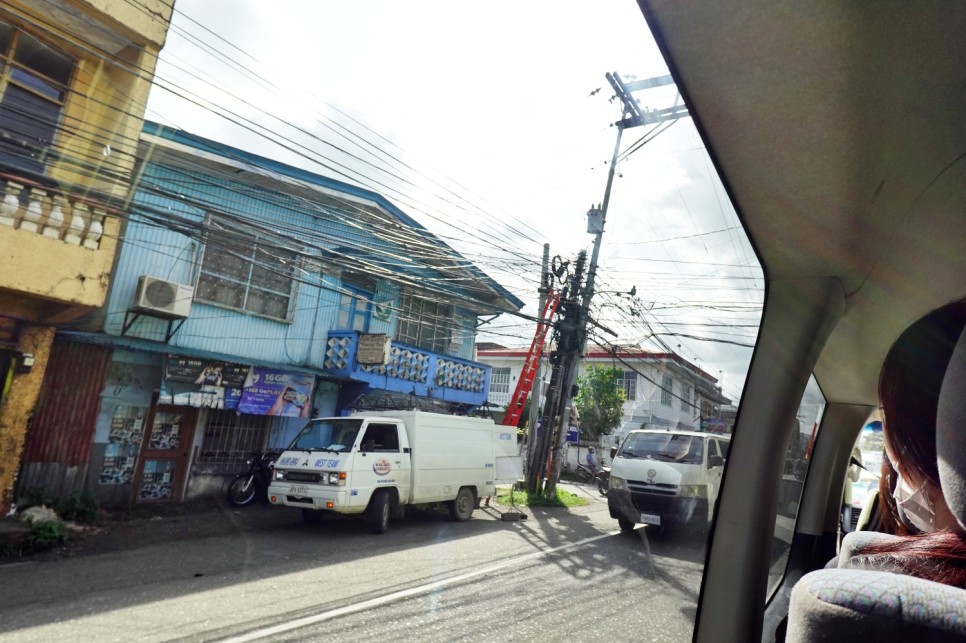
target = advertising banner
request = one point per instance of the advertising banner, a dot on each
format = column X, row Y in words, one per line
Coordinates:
column 205, row 373
column 273, row 392
column 203, row 383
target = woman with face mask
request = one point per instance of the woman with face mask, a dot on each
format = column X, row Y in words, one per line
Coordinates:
column 932, row 544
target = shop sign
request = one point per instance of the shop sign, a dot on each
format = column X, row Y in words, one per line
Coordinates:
column 205, row 372
column 373, row 350
column 269, row 391
column 204, row 383
column 573, row 434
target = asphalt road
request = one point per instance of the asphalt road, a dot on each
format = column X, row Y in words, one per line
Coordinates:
column 560, row 575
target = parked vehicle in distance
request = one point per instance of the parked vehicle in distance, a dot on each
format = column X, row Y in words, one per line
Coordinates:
column 665, row 478
column 379, row 462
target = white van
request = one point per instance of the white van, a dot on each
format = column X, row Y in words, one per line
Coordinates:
column 665, row 478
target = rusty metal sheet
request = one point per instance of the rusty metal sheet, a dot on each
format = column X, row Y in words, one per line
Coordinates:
column 62, row 427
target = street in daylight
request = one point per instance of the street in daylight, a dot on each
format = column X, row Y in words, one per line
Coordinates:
column 292, row 288
column 270, row 577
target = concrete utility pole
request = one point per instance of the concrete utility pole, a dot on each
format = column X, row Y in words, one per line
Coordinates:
column 632, row 116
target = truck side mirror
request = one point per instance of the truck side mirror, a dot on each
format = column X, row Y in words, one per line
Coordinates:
column 613, row 452
column 715, row 461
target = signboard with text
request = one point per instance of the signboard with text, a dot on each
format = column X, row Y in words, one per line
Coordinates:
column 373, row 350
column 274, row 392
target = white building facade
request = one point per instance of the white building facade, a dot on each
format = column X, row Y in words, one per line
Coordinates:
column 663, row 390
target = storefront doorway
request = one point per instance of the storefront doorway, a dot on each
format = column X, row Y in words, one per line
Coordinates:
column 164, row 454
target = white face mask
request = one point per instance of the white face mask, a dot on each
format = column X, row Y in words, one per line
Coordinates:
column 915, row 508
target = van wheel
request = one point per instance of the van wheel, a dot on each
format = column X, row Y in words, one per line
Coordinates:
column 379, row 513
column 625, row 524
column 461, row 509
column 312, row 517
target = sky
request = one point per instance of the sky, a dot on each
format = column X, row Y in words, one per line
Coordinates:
column 491, row 125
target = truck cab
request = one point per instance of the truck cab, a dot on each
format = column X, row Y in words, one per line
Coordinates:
column 335, row 464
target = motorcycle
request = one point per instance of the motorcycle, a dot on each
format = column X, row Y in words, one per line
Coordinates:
column 246, row 486
column 603, row 480
column 584, row 473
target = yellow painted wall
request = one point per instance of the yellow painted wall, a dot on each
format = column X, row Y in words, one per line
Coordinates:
column 53, row 270
column 147, row 18
column 97, row 145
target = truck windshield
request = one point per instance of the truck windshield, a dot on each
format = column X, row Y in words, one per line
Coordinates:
column 668, row 447
column 328, row 435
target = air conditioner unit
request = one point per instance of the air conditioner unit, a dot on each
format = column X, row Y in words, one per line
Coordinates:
column 162, row 298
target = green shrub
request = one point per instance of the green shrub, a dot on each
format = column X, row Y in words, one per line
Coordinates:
column 81, row 507
column 46, row 534
column 77, row 507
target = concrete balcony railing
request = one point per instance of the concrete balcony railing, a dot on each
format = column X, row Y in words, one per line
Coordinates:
column 59, row 247
column 43, row 211
column 411, row 370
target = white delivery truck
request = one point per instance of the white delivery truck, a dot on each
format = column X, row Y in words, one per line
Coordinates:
column 376, row 463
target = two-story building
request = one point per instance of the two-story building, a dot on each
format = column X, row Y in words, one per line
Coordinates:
column 248, row 296
column 74, row 79
column 662, row 390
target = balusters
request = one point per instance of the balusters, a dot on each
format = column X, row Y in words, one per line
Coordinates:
column 80, row 214
column 55, row 219
column 34, row 214
column 52, row 215
column 10, row 205
column 92, row 240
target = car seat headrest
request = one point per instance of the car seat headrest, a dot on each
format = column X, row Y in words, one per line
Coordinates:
column 951, row 433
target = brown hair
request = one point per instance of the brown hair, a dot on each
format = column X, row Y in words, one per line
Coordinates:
column 909, row 385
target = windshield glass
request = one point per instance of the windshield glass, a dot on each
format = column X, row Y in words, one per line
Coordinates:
column 328, row 435
column 669, row 447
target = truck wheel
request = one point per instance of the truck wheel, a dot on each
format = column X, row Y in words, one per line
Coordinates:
column 625, row 524
column 312, row 517
column 379, row 513
column 461, row 509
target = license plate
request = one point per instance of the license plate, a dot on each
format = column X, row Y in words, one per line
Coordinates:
column 651, row 519
column 298, row 490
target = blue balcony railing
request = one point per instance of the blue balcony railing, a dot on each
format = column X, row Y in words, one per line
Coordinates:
column 411, row 370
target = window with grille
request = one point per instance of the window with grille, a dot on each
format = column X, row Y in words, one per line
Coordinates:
column 425, row 323
column 245, row 272
column 34, row 81
column 685, row 397
column 667, row 390
column 628, row 382
column 500, row 380
column 230, row 439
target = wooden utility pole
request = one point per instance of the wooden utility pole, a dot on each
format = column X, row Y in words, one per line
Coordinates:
column 536, row 393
